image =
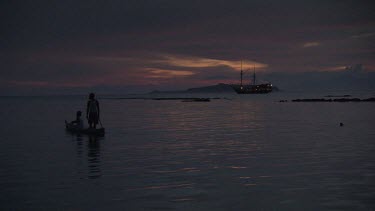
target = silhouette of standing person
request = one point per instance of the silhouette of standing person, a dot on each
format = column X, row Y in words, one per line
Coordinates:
column 92, row 111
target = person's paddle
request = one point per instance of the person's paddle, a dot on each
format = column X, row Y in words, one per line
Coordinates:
column 101, row 125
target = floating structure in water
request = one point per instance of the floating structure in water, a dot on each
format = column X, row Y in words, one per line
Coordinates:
column 88, row 131
column 252, row 88
column 332, row 100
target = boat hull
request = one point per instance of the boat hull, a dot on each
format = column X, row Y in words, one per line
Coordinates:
column 252, row 89
column 88, row 131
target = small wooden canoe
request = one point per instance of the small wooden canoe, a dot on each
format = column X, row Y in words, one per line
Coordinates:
column 89, row 131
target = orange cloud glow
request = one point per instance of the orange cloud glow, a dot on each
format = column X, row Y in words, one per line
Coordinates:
column 336, row 68
column 159, row 73
column 152, row 62
column 199, row 62
column 310, row 44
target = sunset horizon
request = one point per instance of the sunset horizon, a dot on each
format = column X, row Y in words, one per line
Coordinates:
column 193, row 105
column 48, row 45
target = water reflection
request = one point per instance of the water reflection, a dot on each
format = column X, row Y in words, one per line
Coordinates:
column 79, row 145
column 93, row 157
column 93, row 154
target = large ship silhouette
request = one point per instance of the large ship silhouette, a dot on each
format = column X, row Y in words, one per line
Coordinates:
column 251, row 88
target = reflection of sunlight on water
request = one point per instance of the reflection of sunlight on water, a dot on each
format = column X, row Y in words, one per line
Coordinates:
column 250, row 184
column 165, row 186
column 180, row 121
column 187, row 170
column 242, row 154
column 183, row 200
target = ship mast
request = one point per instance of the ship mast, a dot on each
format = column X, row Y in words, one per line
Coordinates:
column 254, row 76
column 241, row 74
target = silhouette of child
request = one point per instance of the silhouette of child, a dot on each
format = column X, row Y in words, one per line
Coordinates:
column 78, row 122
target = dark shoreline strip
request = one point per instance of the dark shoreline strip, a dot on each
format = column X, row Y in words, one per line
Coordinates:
column 338, row 96
column 334, row 100
column 164, row 98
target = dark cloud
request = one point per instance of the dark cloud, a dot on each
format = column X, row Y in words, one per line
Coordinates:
column 114, row 42
column 47, row 21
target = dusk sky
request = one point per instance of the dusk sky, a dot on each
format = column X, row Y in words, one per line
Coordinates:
column 160, row 44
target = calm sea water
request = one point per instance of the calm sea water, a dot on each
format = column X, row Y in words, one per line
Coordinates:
column 239, row 153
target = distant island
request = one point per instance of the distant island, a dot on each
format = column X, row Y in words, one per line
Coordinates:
column 219, row 88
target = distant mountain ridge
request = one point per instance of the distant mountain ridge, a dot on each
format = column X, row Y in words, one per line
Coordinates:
column 214, row 89
column 218, row 88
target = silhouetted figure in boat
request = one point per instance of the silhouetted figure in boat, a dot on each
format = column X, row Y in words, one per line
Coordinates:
column 92, row 111
column 78, row 123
